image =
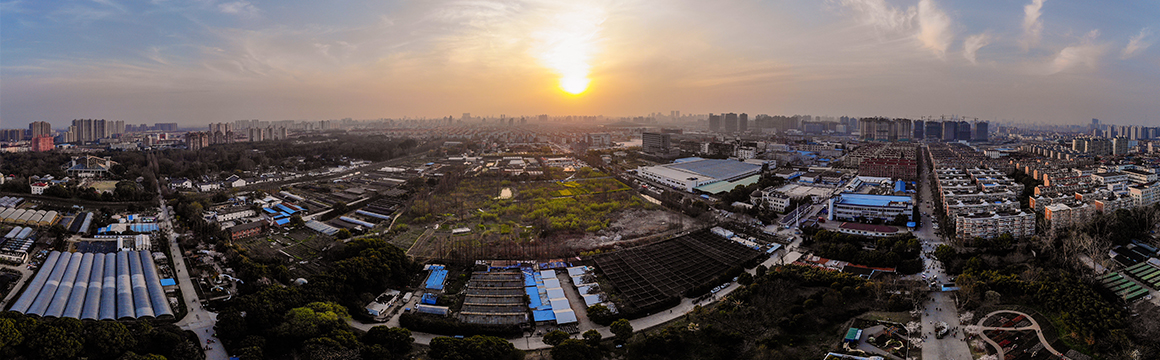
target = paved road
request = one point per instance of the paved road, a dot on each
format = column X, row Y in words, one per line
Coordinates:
column 198, row 319
column 25, row 276
column 942, row 306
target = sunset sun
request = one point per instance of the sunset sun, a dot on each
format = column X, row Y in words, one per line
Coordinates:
column 567, row 43
column 574, row 85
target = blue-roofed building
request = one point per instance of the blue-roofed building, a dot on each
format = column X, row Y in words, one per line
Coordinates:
column 689, row 173
column 866, row 207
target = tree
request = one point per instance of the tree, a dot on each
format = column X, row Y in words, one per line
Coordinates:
column 745, row 279
column 574, row 349
column 9, row 334
column 313, row 320
column 593, row 337
column 107, row 339
column 600, row 314
column 134, row 356
column 477, row 347
column 342, row 234
column 397, row 340
column 992, row 296
column 555, row 337
column 55, row 343
column 622, row 329
column 760, row 271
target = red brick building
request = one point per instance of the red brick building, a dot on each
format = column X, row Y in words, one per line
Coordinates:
column 246, row 230
column 43, row 143
column 905, row 169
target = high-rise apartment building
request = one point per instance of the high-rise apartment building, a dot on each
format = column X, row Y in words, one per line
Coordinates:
column 714, row 123
column 656, row 143
column 964, row 131
column 743, row 122
column 255, row 134
column 982, row 131
column 731, row 122
column 950, row 131
column 934, row 130
column 39, row 128
column 11, row 135
column 1120, row 145
column 919, row 130
column 89, row 130
column 882, row 129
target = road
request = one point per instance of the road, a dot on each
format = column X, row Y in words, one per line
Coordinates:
column 25, row 276
column 1033, row 327
column 941, row 307
column 198, row 319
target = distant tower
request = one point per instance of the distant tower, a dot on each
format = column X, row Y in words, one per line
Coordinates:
column 743, row 122
column 950, row 130
column 714, row 122
column 731, row 122
column 982, row 131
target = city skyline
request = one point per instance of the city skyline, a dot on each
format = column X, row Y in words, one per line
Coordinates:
column 1034, row 61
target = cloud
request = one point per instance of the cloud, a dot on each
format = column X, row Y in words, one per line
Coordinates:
column 926, row 22
column 881, row 15
column 934, row 28
column 972, row 45
column 242, row 8
column 1032, row 25
column 112, row 4
column 1086, row 53
column 1137, row 44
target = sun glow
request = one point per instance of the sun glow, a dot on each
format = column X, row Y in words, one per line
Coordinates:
column 574, row 85
column 567, row 43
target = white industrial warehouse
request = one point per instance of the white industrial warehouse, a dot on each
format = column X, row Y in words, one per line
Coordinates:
column 93, row 286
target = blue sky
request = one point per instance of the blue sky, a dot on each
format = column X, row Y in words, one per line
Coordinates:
column 202, row 61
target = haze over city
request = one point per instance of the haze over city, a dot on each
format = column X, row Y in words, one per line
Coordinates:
column 206, row 61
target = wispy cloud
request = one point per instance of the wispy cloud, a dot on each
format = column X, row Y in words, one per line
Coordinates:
column 1032, row 25
column 241, row 8
column 931, row 26
column 14, row 6
column 1137, row 44
column 1086, row 53
column 934, row 28
column 112, row 4
column 881, row 15
column 972, row 45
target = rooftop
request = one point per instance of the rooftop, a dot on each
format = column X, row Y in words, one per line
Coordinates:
column 872, row 200
column 715, row 168
column 868, row 227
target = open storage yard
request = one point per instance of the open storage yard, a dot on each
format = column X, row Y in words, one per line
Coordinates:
column 484, row 217
column 648, row 276
column 301, row 246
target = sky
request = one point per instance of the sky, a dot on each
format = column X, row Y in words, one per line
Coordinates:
column 201, row 61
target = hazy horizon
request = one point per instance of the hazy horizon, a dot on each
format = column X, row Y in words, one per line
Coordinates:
column 209, row 61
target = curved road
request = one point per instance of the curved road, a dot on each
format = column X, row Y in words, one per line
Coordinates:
column 1034, row 326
